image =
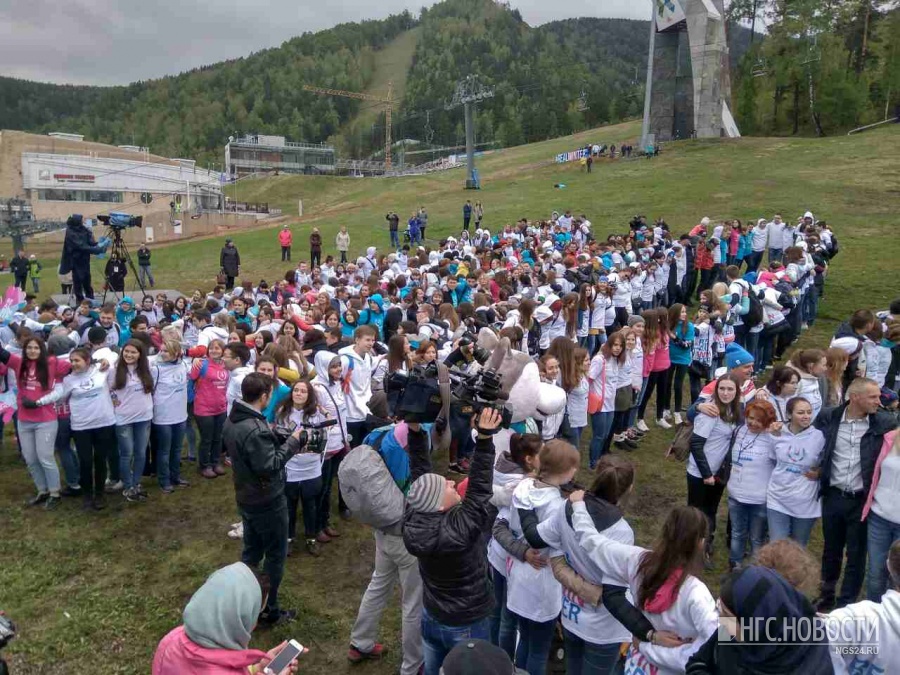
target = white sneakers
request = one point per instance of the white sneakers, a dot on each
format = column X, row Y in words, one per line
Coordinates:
column 237, row 531
column 642, row 426
column 676, row 418
column 663, row 424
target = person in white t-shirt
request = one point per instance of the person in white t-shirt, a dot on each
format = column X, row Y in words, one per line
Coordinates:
column 170, row 377
column 710, row 453
column 792, row 501
column 751, row 468
column 776, row 238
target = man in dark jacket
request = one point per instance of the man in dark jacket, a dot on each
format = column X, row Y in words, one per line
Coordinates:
column 143, row 256
column 257, row 462
column 230, row 262
column 19, row 267
column 854, row 433
column 76, row 256
column 448, row 536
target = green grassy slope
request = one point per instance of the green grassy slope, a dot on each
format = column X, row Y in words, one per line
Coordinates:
column 95, row 593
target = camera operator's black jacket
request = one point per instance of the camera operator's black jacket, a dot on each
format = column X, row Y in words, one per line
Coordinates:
column 78, row 246
column 257, row 458
column 450, row 545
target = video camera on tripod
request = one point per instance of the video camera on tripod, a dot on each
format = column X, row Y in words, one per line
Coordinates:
column 118, row 221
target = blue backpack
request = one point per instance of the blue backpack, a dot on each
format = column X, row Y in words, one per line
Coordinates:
column 192, row 383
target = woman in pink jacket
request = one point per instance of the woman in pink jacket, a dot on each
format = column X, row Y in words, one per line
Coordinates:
column 656, row 364
column 882, row 511
column 210, row 403
column 218, row 622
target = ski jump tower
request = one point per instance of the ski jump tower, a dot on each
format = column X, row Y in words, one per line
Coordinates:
column 688, row 91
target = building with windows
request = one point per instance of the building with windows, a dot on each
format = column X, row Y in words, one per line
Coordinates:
column 263, row 154
column 59, row 173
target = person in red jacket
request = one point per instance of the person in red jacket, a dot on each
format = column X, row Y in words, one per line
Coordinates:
column 285, row 238
column 703, row 261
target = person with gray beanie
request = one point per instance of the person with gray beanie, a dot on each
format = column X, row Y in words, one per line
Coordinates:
column 448, row 534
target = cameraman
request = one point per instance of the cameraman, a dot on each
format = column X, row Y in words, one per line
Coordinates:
column 448, row 535
column 258, row 461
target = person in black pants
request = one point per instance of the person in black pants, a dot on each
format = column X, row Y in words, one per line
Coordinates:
column 467, row 215
column 854, row 433
column 19, row 267
column 258, row 462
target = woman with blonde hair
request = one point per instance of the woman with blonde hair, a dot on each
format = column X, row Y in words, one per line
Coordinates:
column 836, row 361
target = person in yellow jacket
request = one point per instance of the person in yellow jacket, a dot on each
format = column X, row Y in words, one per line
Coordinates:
column 34, row 271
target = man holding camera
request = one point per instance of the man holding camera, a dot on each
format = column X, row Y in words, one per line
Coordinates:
column 448, row 535
column 257, row 460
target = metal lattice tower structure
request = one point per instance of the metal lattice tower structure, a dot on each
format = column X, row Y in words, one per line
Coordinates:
column 387, row 100
column 469, row 92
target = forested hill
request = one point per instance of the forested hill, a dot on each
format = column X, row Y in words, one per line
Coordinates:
column 542, row 78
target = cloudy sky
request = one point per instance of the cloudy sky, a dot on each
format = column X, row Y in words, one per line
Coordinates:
column 120, row 41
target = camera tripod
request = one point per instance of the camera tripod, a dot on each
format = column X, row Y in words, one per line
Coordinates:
column 118, row 252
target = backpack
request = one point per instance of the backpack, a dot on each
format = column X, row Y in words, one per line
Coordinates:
column 680, row 448
column 368, row 487
column 754, row 315
column 191, row 384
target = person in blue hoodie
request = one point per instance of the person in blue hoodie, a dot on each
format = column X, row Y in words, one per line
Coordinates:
column 374, row 314
column 125, row 312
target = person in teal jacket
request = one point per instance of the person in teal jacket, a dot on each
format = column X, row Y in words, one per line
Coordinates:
column 374, row 314
column 745, row 248
column 125, row 313
column 681, row 343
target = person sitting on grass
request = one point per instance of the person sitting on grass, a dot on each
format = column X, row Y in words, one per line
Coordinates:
column 218, row 623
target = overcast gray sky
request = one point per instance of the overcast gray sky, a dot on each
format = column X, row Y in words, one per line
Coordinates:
column 120, row 41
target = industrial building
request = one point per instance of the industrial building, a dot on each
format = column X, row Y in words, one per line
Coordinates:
column 263, row 154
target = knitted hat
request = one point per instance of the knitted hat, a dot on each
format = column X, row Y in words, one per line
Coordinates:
column 477, row 656
column 426, row 493
column 736, row 356
column 635, row 319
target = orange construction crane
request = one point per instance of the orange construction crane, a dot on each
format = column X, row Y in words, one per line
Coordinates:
column 388, row 102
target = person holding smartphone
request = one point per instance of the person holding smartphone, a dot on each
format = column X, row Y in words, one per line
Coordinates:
column 218, row 624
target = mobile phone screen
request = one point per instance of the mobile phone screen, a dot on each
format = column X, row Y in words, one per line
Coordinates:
column 285, row 657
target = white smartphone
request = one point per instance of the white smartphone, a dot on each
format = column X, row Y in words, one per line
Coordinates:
column 285, row 657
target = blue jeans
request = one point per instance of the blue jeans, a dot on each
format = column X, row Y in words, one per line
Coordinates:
column 439, row 638
column 132, row 439
column 881, row 534
column 533, row 650
column 775, row 254
column 67, row 457
column 811, row 305
column 587, row 658
column 601, row 427
column 589, row 342
column 395, row 239
column 783, row 526
column 746, row 520
column 503, row 622
column 169, row 438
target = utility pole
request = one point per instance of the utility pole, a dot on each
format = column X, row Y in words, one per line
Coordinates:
column 468, row 93
column 648, row 88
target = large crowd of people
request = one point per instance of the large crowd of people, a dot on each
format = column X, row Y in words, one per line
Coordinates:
column 688, row 325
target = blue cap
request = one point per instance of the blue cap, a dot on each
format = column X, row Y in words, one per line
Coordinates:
column 736, row 356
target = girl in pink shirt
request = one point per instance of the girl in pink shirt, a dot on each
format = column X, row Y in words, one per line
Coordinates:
column 36, row 372
column 210, row 386
column 656, row 364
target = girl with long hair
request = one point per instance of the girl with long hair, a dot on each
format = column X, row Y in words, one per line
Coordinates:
column 577, row 398
column 131, row 389
column 303, row 472
column 397, row 360
column 710, row 461
column 36, row 373
column 93, row 423
column 170, row 413
column 330, row 372
column 604, row 376
column 664, row 583
column 210, row 403
column 656, row 365
column 751, row 468
column 792, row 501
column 534, row 596
column 586, row 338
column 836, row 361
column 681, row 334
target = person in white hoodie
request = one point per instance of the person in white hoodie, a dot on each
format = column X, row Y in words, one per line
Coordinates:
column 664, row 583
column 358, row 388
column 862, row 620
column 535, row 596
column 792, row 499
column 235, row 358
